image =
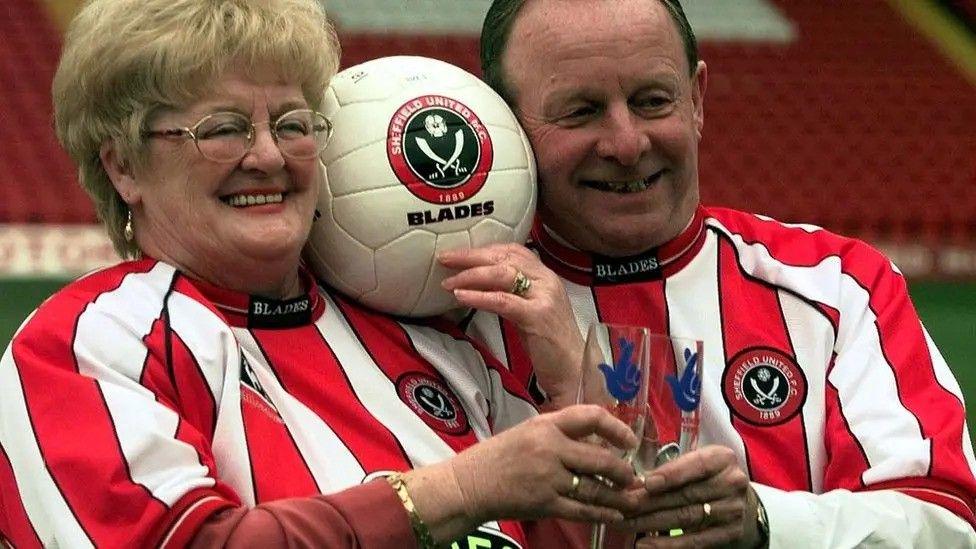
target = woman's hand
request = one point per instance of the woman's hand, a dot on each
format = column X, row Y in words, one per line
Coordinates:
column 542, row 313
column 528, row 472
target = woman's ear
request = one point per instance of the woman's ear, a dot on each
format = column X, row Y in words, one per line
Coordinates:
column 119, row 171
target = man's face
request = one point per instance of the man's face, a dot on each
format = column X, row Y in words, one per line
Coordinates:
column 602, row 88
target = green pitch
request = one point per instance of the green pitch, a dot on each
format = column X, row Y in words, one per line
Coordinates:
column 947, row 309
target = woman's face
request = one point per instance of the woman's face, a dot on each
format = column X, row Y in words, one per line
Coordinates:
column 223, row 221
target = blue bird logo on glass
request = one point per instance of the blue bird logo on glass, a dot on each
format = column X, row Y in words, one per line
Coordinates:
column 687, row 390
column 623, row 379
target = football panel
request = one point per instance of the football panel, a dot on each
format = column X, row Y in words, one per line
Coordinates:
column 362, row 169
column 357, row 127
column 491, row 231
column 435, row 300
column 402, row 266
column 525, row 225
column 508, row 149
column 510, row 192
column 397, row 76
column 335, row 255
column 485, row 103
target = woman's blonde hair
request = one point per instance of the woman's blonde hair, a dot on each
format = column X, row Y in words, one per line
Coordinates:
column 125, row 59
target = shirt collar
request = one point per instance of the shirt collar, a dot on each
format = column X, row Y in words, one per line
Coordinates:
column 594, row 269
column 250, row 311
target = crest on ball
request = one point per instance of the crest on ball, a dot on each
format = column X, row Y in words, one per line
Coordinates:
column 439, row 149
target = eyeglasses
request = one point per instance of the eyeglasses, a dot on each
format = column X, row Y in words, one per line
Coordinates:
column 228, row 136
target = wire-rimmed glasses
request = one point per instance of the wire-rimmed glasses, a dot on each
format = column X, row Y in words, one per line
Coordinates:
column 227, row 136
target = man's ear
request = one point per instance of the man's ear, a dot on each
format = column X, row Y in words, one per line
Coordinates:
column 698, row 82
column 119, row 171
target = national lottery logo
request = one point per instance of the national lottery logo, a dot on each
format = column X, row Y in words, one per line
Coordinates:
column 439, row 149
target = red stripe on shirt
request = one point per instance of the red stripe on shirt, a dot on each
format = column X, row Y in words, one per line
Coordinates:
column 183, row 370
column 84, row 457
column 846, row 458
column 641, row 304
column 372, row 443
column 752, row 318
column 789, row 245
column 15, row 526
column 278, row 469
column 385, row 340
column 518, row 359
column 190, row 511
column 940, row 413
column 512, row 385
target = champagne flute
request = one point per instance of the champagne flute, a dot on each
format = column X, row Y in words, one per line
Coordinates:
column 674, row 393
column 652, row 382
column 615, row 376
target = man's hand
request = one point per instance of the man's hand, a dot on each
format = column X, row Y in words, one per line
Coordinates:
column 674, row 495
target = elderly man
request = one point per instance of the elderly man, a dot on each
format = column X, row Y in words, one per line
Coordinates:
column 821, row 387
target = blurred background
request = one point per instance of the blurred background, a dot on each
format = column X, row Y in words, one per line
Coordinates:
column 857, row 115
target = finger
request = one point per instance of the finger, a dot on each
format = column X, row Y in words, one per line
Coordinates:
column 483, row 277
column 689, row 518
column 571, row 509
column 582, row 420
column 691, row 467
column 463, row 258
column 502, row 303
column 599, row 492
column 596, row 461
column 730, row 482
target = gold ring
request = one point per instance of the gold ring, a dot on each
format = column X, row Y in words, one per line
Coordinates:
column 521, row 284
column 707, row 513
column 575, row 488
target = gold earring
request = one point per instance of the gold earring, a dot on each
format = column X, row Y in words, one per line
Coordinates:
column 127, row 232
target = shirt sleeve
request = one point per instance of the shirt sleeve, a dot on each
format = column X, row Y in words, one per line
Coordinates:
column 895, row 425
column 95, row 449
column 366, row 516
column 840, row 518
column 106, row 428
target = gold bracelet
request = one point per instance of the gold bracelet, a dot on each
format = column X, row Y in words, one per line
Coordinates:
column 424, row 539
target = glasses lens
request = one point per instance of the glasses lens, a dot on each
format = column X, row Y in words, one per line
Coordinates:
column 303, row 133
column 223, row 136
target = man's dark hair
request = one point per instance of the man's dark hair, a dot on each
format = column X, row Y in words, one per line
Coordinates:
column 498, row 26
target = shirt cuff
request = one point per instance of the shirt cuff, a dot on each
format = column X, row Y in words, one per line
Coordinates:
column 376, row 514
column 793, row 521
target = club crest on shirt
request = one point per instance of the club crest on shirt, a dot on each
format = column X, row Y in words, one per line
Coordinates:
column 764, row 386
column 430, row 399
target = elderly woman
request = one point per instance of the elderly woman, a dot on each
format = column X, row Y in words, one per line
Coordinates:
column 207, row 392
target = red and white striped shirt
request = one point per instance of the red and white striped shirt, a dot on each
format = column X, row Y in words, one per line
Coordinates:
column 817, row 370
column 136, row 402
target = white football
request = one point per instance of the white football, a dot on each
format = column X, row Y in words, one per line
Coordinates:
column 424, row 157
